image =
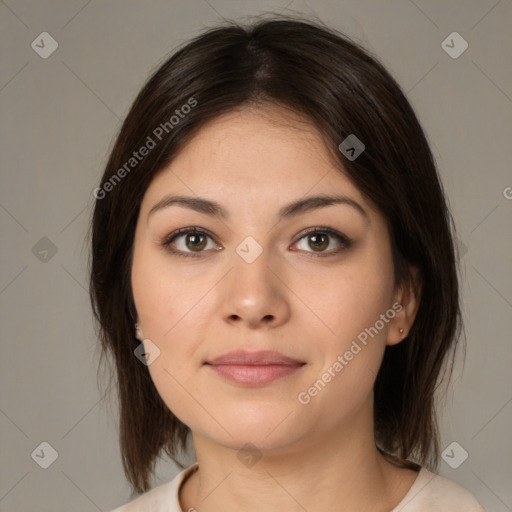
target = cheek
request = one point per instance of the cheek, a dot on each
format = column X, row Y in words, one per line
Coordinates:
column 161, row 296
column 170, row 313
column 355, row 305
column 162, row 301
column 350, row 298
column 149, row 294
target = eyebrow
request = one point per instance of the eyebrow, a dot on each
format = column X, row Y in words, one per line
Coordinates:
column 293, row 209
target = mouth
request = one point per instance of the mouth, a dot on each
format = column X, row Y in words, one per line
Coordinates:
column 254, row 368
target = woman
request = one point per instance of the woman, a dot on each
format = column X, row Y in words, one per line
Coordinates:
column 274, row 272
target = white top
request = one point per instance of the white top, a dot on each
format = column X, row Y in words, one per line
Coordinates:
column 428, row 493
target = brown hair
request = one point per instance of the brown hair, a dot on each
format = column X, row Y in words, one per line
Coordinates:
column 341, row 89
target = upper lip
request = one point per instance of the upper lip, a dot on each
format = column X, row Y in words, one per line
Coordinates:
column 244, row 357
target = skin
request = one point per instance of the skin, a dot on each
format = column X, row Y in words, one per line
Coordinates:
column 319, row 456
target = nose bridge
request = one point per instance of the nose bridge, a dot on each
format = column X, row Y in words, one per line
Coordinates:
column 251, row 275
column 253, row 293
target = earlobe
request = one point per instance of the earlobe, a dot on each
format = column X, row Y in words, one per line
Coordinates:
column 397, row 331
column 408, row 296
column 138, row 332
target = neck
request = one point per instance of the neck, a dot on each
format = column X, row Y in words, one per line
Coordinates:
column 338, row 470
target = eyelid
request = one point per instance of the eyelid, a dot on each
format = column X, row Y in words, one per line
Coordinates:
column 345, row 241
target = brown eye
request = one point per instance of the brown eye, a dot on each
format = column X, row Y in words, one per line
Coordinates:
column 320, row 238
column 318, row 242
column 188, row 242
column 195, row 241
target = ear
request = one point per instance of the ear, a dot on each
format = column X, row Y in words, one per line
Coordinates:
column 138, row 332
column 408, row 296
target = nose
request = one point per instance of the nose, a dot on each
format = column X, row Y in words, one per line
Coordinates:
column 255, row 295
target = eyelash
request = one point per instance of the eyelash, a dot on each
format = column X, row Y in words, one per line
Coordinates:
column 343, row 239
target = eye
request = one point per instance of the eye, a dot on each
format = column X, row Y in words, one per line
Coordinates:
column 318, row 239
column 191, row 242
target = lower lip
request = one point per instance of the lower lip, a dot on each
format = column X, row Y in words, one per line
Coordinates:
column 254, row 375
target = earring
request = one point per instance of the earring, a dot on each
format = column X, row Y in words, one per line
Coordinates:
column 138, row 332
column 401, row 330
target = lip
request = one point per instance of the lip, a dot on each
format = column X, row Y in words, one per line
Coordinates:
column 260, row 357
column 254, row 368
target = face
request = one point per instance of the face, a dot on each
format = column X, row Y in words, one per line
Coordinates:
column 257, row 279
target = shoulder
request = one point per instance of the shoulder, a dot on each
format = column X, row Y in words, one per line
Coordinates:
column 434, row 493
column 163, row 498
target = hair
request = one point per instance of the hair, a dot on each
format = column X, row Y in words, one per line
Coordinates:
column 341, row 89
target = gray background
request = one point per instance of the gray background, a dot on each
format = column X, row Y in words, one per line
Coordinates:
column 59, row 116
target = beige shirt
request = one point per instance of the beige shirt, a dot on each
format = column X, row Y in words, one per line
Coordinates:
column 428, row 493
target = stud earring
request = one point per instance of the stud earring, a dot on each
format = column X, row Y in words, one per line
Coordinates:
column 401, row 330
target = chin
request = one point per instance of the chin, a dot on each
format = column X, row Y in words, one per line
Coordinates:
column 253, row 440
column 268, row 428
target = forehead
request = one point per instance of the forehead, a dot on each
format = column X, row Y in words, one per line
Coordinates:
column 266, row 152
